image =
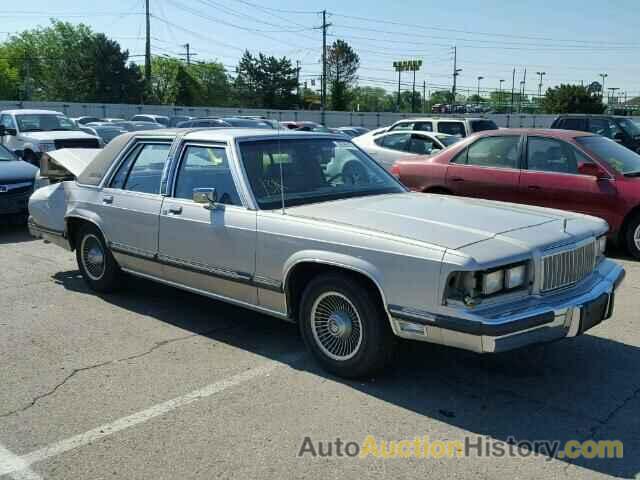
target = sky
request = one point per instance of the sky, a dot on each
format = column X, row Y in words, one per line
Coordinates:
column 571, row 41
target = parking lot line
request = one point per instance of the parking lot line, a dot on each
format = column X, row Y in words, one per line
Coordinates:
column 13, row 464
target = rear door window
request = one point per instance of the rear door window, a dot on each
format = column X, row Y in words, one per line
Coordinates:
column 482, row 125
column 452, row 128
column 403, row 126
column 423, row 126
column 498, row 152
column 398, row 141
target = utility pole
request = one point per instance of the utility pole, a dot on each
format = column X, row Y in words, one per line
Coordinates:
column 188, row 47
column 456, row 72
column 424, row 96
column 298, row 80
column 513, row 90
column 323, row 96
column 523, row 84
column 540, row 74
column 603, row 76
column 399, row 69
column 500, row 93
column 147, row 51
column 479, row 78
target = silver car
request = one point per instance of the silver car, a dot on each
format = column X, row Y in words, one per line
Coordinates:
column 254, row 218
column 387, row 148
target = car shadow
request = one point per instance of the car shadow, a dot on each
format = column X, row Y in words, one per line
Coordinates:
column 577, row 389
column 14, row 234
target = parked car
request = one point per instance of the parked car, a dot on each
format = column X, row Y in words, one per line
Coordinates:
column 84, row 120
column 247, row 122
column 389, row 147
column 620, row 129
column 348, row 131
column 29, row 133
column 17, row 182
column 203, row 123
column 105, row 131
column 138, row 126
column 251, row 217
column 160, row 119
column 113, row 120
column 177, row 119
column 461, row 127
column 561, row 169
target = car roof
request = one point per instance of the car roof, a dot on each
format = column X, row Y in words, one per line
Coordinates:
column 447, row 118
column 231, row 134
column 547, row 132
column 32, row 112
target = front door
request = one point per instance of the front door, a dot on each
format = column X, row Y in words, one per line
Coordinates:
column 552, row 179
column 209, row 248
column 130, row 206
column 488, row 168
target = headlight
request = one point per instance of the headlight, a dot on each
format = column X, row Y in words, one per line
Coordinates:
column 46, row 147
column 602, row 245
column 472, row 287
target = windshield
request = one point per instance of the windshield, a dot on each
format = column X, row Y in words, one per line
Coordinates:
column 313, row 170
column 44, row 123
column 448, row 140
column 620, row 158
column 630, row 127
column 6, row 155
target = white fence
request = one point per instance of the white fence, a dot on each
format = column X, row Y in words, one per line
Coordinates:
column 328, row 118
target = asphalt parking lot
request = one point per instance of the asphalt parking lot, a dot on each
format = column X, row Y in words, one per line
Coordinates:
column 157, row 383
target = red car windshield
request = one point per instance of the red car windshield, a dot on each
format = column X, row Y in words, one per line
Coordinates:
column 620, row 158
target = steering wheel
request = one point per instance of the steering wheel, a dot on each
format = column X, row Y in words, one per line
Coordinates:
column 352, row 173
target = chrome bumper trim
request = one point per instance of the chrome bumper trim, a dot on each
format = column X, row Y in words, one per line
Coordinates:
column 548, row 321
column 48, row 235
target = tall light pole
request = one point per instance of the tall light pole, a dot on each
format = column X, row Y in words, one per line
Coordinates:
column 603, row 76
column 479, row 78
column 456, row 72
column 500, row 92
column 540, row 74
column 408, row 66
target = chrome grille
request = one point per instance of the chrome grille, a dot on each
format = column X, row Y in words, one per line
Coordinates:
column 567, row 268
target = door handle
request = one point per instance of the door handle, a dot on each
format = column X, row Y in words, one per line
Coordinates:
column 108, row 199
column 457, row 179
column 177, row 210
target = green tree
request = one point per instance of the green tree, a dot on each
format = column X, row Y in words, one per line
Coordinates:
column 215, row 88
column 266, row 82
column 342, row 69
column 9, row 80
column 369, row 99
column 163, row 80
column 66, row 62
column 572, row 99
column 187, row 89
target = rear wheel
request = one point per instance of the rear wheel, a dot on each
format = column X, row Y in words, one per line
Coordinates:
column 632, row 236
column 345, row 327
column 96, row 263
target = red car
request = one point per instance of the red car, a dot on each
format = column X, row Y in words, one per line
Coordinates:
column 562, row 169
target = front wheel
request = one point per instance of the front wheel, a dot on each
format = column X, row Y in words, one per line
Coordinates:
column 345, row 327
column 632, row 235
column 96, row 263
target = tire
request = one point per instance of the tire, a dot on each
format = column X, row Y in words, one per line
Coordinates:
column 632, row 236
column 344, row 326
column 95, row 261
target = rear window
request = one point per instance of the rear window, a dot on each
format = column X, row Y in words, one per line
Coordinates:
column 452, row 128
column 579, row 124
column 482, row 125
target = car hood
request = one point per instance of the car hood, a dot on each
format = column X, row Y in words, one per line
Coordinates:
column 15, row 171
column 57, row 135
column 453, row 222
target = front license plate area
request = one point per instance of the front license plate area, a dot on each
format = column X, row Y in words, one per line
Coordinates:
column 593, row 313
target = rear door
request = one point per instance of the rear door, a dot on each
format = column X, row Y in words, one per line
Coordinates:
column 392, row 147
column 488, row 168
column 130, row 205
column 551, row 179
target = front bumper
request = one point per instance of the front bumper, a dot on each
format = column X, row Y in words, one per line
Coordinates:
column 536, row 319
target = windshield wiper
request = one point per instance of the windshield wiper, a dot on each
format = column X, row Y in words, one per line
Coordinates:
column 632, row 174
column 33, row 130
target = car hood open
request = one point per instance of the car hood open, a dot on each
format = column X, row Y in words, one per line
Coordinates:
column 66, row 162
column 452, row 222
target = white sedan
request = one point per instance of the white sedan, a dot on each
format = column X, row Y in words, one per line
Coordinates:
column 388, row 147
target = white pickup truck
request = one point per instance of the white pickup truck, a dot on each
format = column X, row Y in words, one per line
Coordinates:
column 30, row 133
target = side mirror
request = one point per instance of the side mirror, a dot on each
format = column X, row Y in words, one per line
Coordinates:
column 592, row 170
column 618, row 137
column 206, row 196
